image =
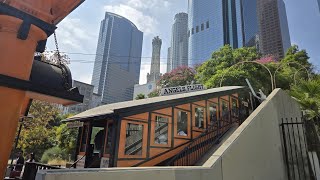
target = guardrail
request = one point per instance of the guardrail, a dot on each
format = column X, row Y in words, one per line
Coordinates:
column 31, row 169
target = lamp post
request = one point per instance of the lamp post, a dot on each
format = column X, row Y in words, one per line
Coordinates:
column 254, row 62
column 288, row 64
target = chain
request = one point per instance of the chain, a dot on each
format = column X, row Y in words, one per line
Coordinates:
column 57, row 48
column 60, row 64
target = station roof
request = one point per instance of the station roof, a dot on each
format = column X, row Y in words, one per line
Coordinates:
column 162, row 101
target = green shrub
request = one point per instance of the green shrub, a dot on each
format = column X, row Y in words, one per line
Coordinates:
column 53, row 153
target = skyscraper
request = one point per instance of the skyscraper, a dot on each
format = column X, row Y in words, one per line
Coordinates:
column 154, row 74
column 212, row 24
column 250, row 23
column 179, row 42
column 118, row 59
column 169, row 60
column 273, row 25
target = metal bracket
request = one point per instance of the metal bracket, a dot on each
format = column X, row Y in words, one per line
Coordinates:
column 24, row 30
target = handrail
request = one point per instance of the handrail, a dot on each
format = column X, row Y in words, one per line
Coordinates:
column 205, row 141
column 77, row 161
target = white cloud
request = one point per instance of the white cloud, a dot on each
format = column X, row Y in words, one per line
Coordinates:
column 145, row 23
column 71, row 34
column 149, row 4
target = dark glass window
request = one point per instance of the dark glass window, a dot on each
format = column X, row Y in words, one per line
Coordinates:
column 192, row 30
column 225, row 110
column 202, row 27
column 189, row 33
column 235, row 109
column 84, row 139
column 197, row 29
column 208, row 25
column 213, row 113
column 97, row 137
column 161, row 130
column 199, row 117
column 134, row 139
column 182, row 125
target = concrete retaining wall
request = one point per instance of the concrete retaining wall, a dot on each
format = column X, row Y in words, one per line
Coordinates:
column 252, row 152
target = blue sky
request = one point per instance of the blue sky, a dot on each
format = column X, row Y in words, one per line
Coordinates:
column 78, row 33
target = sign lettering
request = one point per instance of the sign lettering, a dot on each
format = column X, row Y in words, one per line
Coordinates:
column 182, row 89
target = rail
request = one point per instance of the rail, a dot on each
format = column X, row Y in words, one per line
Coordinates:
column 32, row 168
column 199, row 146
column 72, row 165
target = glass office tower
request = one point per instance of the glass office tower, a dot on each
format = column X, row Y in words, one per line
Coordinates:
column 212, row 24
column 250, row 23
column 118, row 59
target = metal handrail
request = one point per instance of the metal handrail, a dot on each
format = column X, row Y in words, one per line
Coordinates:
column 198, row 144
column 77, row 161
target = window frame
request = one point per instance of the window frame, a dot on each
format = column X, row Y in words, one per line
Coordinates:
column 80, row 145
column 122, row 142
column 106, row 139
column 221, row 110
column 217, row 111
column 194, row 118
column 176, row 111
column 153, row 126
column 231, row 106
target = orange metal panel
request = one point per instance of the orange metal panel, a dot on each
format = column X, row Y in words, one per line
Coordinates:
column 141, row 117
column 167, row 111
column 185, row 107
column 156, row 151
column 127, row 163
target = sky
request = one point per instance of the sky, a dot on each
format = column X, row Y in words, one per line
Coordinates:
column 78, row 33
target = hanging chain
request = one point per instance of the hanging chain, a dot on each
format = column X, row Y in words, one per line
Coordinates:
column 57, row 48
column 60, row 64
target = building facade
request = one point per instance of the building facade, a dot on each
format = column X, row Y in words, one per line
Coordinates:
column 155, row 74
column 250, row 23
column 274, row 30
column 90, row 99
column 118, row 59
column 169, row 60
column 179, row 42
column 212, row 24
column 144, row 89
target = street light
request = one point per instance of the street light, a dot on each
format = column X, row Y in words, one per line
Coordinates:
column 254, row 62
column 288, row 64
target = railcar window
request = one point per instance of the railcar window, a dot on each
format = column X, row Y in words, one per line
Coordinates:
column 213, row 113
column 182, row 125
column 134, row 139
column 97, row 139
column 225, row 110
column 235, row 109
column 161, row 130
column 199, row 117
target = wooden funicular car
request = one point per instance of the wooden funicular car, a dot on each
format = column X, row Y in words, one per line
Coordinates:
column 152, row 132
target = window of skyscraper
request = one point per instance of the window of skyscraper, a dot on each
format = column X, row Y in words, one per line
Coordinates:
column 192, row 30
column 197, row 29
column 208, row 24
column 188, row 33
column 202, row 27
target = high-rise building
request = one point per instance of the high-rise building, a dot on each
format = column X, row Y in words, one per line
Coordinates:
column 212, row 24
column 154, row 74
column 169, row 60
column 250, row 23
column 118, row 59
column 179, row 42
column 90, row 100
column 273, row 25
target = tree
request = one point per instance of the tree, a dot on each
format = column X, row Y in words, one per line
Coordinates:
column 38, row 134
column 180, row 76
column 154, row 93
column 307, row 93
column 140, row 96
column 211, row 72
column 53, row 57
column 66, row 138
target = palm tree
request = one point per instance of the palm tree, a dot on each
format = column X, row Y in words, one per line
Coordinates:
column 307, row 93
